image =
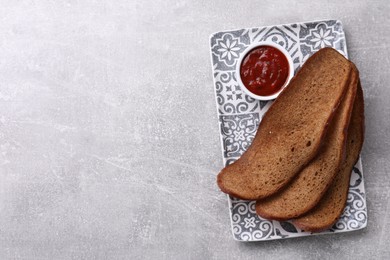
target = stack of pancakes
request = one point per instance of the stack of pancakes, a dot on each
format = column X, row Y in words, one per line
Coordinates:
column 299, row 164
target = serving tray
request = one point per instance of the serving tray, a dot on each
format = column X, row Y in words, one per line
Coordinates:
column 239, row 116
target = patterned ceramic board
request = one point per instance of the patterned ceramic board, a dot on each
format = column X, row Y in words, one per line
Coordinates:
column 239, row 115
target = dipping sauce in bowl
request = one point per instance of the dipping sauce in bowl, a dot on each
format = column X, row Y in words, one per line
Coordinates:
column 264, row 70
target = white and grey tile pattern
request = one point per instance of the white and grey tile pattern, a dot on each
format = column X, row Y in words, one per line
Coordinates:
column 239, row 116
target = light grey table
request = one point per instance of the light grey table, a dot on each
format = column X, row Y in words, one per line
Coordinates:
column 109, row 140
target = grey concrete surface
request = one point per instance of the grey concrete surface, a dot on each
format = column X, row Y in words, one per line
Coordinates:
column 109, row 141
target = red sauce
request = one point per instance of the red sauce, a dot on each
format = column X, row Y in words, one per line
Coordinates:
column 264, row 70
